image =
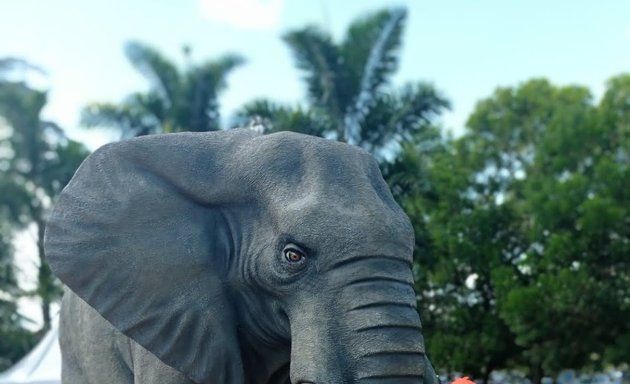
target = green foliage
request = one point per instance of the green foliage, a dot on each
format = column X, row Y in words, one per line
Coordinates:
column 8, row 282
column 348, row 87
column 524, row 232
column 275, row 118
column 344, row 79
column 459, row 242
column 15, row 341
column 573, row 211
column 317, row 55
column 177, row 100
column 37, row 160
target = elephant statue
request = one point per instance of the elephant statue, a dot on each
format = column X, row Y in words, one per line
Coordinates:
column 235, row 257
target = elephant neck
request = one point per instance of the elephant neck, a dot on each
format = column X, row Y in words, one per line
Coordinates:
column 263, row 363
column 264, row 336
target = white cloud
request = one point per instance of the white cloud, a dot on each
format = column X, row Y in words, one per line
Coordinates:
column 248, row 14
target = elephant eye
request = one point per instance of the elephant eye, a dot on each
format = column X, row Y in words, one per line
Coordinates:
column 293, row 255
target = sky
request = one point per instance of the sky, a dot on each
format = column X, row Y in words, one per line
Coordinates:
column 465, row 48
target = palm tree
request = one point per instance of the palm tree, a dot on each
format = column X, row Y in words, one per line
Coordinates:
column 15, row 340
column 177, row 100
column 37, row 161
column 348, row 85
column 274, row 117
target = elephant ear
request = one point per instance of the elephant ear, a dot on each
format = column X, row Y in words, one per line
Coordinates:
column 140, row 235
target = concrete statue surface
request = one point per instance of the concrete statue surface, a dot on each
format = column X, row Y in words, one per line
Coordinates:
column 235, row 257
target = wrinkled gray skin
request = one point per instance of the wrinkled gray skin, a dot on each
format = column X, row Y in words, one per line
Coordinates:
column 179, row 241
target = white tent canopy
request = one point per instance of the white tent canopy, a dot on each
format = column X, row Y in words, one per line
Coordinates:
column 41, row 366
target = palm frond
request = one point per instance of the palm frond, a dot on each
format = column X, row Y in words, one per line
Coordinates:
column 152, row 105
column 403, row 174
column 21, row 107
column 400, row 116
column 203, row 84
column 264, row 109
column 317, row 55
column 417, row 104
column 14, row 198
column 372, row 47
column 215, row 71
column 130, row 119
column 61, row 165
column 276, row 117
column 8, row 280
column 160, row 71
column 378, row 36
column 407, row 173
column 11, row 64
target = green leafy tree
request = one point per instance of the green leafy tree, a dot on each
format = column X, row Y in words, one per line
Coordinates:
column 556, row 164
column 178, row 100
column 15, row 340
column 273, row 117
column 37, row 160
column 349, row 87
column 460, row 239
column 523, row 230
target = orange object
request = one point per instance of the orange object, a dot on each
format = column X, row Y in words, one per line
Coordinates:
column 463, row 380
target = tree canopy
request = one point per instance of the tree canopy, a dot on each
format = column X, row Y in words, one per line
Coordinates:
column 348, row 87
column 37, row 160
column 178, row 100
column 524, row 232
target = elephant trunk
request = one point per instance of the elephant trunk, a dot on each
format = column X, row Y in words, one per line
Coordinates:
column 377, row 338
column 387, row 343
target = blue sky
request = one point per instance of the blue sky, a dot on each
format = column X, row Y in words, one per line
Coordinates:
column 465, row 48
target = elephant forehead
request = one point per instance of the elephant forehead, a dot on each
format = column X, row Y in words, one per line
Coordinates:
column 320, row 188
column 286, row 166
column 334, row 226
column 301, row 181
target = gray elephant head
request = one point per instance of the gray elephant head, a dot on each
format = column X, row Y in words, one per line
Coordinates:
column 241, row 258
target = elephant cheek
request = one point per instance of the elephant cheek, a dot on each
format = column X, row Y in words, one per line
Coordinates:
column 314, row 356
